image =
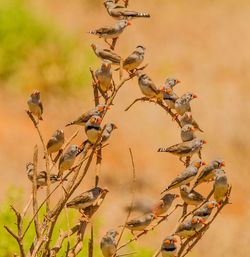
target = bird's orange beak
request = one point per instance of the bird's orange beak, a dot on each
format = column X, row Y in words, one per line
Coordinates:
column 35, row 92
column 204, row 141
column 192, row 129
column 223, row 164
column 202, row 221
column 106, row 65
column 175, row 240
column 108, row 108
column 104, row 191
column 178, row 81
column 155, row 217
column 189, row 116
column 177, row 195
column 99, row 120
column 80, row 147
column 116, row 127
column 105, row 4
column 129, row 23
column 217, row 205
column 195, row 96
column 203, row 163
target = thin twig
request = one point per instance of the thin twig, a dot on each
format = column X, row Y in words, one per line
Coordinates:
column 91, row 242
column 126, row 254
column 132, row 199
column 157, row 253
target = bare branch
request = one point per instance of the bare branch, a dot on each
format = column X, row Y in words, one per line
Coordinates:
column 91, row 242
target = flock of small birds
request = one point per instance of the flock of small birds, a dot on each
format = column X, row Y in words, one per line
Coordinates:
column 189, row 146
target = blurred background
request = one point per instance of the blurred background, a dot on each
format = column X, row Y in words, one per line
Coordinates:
column 205, row 44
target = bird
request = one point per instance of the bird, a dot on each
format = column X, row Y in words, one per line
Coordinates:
column 98, row 110
column 86, row 199
column 104, row 76
column 35, row 104
column 108, row 243
column 182, row 104
column 147, row 86
column 106, row 54
column 68, row 159
column 141, row 223
column 187, row 118
column 134, row 59
column 207, row 174
column 111, row 31
column 185, row 148
column 41, row 178
column 120, row 12
column 107, row 131
column 205, row 210
column 221, row 185
column 187, row 133
column 93, row 129
column 169, row 96
column 190, row 197
column 186, row 176
column 189, row 227
column 168, row 247
column 164, row 205
column 55, row 142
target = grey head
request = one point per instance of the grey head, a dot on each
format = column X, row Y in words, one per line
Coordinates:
column 184, row 189
column 94, row 120
column 197, row 163
column 219, row 172
column 169, row 197
column 72, row 150
column 171, row 82
column 189, row 96
column 101, row 108
column 59, row 133
column 123, row 23
column 211, row 204
column 140, row 50
column 109, row 4
column 35, row 95
column 168, row 243
column 110, row 127
column 187, row 128
column 112, row 233
column 198, row 142
column 218, row 163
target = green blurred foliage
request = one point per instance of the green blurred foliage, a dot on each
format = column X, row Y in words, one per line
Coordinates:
column 8, row 244
column 35, row 53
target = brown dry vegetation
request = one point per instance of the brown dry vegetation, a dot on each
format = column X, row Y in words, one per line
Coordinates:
column 203, row 43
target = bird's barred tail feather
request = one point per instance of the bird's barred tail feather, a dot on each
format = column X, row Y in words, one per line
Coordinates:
column 69, row 124
column 166, row 189
column 162, row 149
column 146, row 15
column 92, row 32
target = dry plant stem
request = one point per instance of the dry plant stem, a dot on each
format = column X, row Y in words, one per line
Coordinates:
column 18, row 236
column 126, row 254
column 34, row 191
column 160, row 103
column 91, row 242
column 203, row 230
column 132, row 200
column 45, row 154
column 157, row 253
column 90, row 211
column 114, row 41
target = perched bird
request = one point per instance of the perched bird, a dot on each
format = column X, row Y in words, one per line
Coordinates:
column 120, row 12
column 41, row 178
column 135, row 59
column 107, row 131
column 187, row 133
column 108, row 243
column 55, row 142
column 164, row 205
column 206, row 209
column 168, row 247
column 169, row 96
column 104, row 76
column 141, row 223
column 186, row 175
column 98, row 110
column 35, row 104
column 93, row 129
column 185, row 149
column 86, row 199
column 106, row 54
column 182, row 104
column 68, row 159
column 190, row 197
column 187, row 118
column 207, row 173
column 189, row 227
column 147, row 86
column 221, row 185
column 111, row 31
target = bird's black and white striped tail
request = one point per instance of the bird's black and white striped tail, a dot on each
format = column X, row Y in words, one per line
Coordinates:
column 69, row 124
column 162, row 149
column 94, row 32
column 146, row 15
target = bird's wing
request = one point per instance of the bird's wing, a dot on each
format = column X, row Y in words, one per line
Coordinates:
column 109, row 55
column 41, row 106
column 106, row 30
column 130, row 59
column 51, row 142
column 82, row 198
column 180, row 148
column 196, row 196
